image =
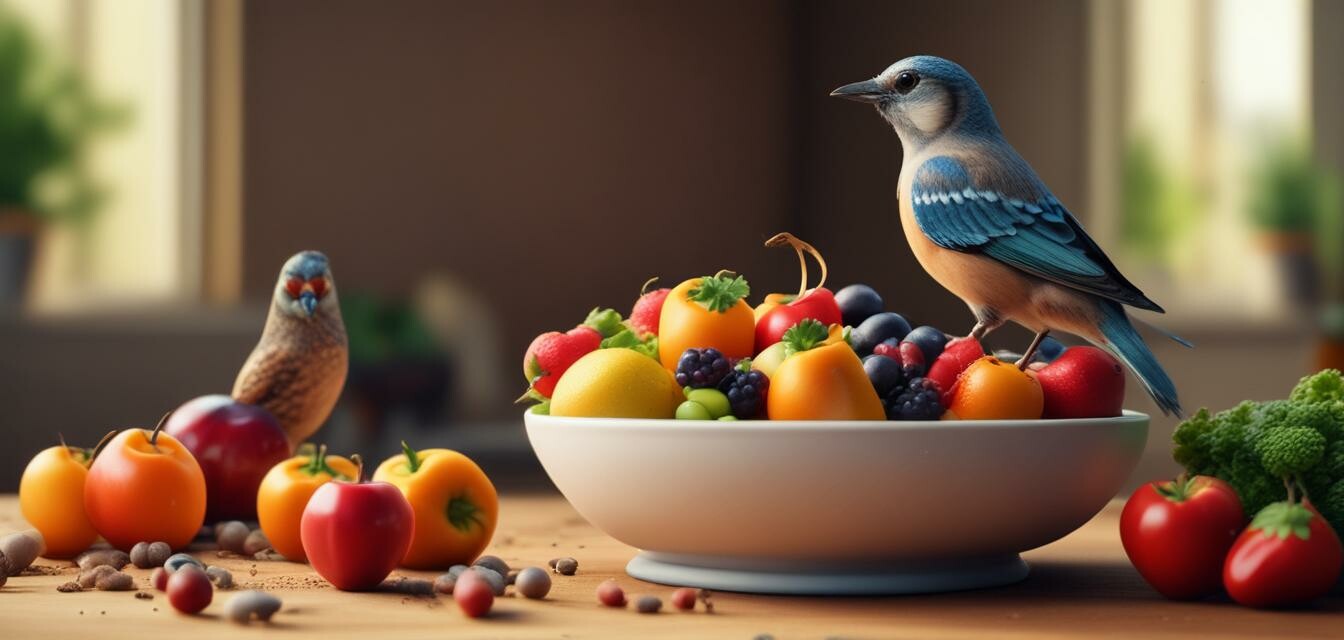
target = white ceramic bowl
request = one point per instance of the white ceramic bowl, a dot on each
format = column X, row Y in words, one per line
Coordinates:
column 836, row 507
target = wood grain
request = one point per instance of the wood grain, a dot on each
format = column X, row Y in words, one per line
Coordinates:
column 1081, row 585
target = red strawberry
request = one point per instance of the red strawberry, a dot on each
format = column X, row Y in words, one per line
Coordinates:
column 947, row 368
column 551, row 354
column 648, row 308
column 889, row 350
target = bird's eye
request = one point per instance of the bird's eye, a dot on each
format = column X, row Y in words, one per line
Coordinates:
column 319, row 285
column 294, row 286
column 906, row 81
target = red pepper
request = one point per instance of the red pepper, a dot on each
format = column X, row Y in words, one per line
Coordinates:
column 779, row 312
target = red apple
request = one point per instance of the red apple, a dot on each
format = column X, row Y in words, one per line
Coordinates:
column 235, row 444
column 356, row 533
column 1084, row 382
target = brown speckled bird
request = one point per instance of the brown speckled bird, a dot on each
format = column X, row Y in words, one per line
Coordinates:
column 298, row 368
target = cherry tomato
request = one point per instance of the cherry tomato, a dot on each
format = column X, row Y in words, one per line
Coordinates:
column 1177, row 533
column 1289, row 555
column 189, row 590
column 145, row 486
column 473, row 594
column 51, row 497
column 355, row 533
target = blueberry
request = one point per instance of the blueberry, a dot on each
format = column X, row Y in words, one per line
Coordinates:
column 1049, row 350
column 885, row 373
column 930, row 341
column 858, row 302
column 876, row 329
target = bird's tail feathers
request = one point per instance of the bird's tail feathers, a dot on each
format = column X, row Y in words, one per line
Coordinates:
column 1124, row 341
column 1170, row 336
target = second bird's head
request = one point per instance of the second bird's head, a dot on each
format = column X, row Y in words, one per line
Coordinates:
column 305, row 285
column 925, row 97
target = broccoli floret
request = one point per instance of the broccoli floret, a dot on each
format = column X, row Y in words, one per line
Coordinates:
column 1290, row 451
column 1325, row 386
column 1331, row 505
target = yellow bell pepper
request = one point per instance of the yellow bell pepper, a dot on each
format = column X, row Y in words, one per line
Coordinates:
column 821, row 379
column 456, row 507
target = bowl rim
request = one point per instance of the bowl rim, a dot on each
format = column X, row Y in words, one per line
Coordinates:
column 1126, row 417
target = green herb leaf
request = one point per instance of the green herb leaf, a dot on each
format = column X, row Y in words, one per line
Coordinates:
column 626, row 339
column 803, row 336
column 1282, row 519
column 606, row 322
column 719, row 293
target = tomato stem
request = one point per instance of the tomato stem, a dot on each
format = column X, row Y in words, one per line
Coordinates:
column 158, row 428
column 359, row 467
column 786, row 238
column 412, row 460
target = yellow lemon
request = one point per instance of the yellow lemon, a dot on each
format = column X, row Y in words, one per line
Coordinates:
column 616, row 383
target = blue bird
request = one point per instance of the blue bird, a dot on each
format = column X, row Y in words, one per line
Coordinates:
column 984, row 226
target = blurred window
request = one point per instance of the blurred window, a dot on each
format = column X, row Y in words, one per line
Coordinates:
column 142, row 244
column 1202, row 128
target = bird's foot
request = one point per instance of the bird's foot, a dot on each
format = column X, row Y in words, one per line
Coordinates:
column 1031, row 349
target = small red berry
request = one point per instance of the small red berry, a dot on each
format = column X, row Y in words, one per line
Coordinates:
column 684, row 599
column 189, row 590
column 888, row 350
column 610, row 594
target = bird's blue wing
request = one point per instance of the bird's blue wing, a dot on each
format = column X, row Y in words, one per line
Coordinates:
column 1035, row 233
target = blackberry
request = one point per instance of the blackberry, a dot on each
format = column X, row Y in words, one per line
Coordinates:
column 746, row 390
column 920, row 399
column 702, row 368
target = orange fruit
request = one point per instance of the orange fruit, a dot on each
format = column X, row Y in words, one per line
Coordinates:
column 991, row 389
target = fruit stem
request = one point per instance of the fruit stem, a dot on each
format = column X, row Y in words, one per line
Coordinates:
column 158, row 428
column 648, row 283
column 412, row 460
column 1031, row 350
column 359, row 467
column 786, row 238
column 98, row 448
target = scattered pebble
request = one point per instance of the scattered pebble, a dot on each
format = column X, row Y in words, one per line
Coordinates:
column 159, row 578
column 70, row 587
column 533, row 583
column 115, row 581
column 20, row 550
column 512, row 578
column 763, row 636
column 111, row 557
column 268, row 555
column 444, row 583
column 648, row 604
column 246, row 606
column 493, row 562
column 410, row 586
column 703, row 595
column 457, row 569
column 220, row 576
column 232, row 535
column 140, row 555
column 551, row 563
column 159, row 552
column 4, row 574
column 177, row 560
column 609, row 593
column 256, row 542
column 684, row 599
column 566, row 566
column 492, row 577
column 89, row 578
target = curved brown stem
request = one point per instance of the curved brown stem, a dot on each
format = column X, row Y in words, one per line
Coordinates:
column 648, row 283
column 158, row 428
column 803, row 249
column 359, row 467
column 98, row 448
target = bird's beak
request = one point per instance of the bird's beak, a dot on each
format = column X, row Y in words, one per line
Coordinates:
column 866, row 91
column 309, row 301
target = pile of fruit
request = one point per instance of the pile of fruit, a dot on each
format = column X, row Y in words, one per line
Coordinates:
column 699, row 351
column 1278, row 464
column 218, row 460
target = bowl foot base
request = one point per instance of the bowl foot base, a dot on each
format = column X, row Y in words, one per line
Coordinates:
column 782, row 579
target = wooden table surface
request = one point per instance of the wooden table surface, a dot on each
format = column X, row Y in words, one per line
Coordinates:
column 1081, row 585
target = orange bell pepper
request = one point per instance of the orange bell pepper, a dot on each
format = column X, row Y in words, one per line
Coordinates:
column 455, row 504
column 285, row 491
column 821, row 379
column 707, row 312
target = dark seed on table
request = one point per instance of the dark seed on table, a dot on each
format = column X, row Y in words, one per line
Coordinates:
column 648, row 604
column 493, row 562
column 533, row 583
column 220, row 576
column 69, row 587
column 566, row 566
column 144, row 595
column 551, row 563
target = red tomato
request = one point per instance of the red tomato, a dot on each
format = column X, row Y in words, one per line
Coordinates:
column 473, row 594
column 1288, row 555
column 818, row 304
column 355, row 534
column 1178, row 532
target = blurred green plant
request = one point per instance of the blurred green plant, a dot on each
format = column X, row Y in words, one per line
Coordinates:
column 1292, row 193
column 48, row 117
column 1159, row 204
column 381, row 331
